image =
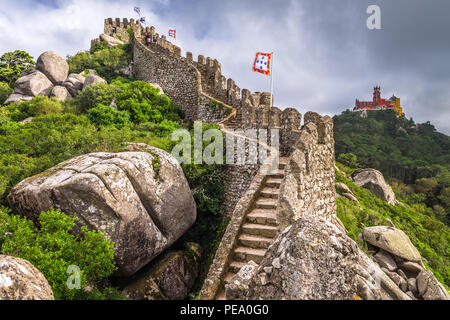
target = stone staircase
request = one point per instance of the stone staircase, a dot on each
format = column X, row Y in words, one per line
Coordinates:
column 235, row 122
column 259, row 228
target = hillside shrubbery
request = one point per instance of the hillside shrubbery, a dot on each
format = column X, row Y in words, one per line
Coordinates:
column 52, row 249
column 106, row 61
column 5, row 91
column 430, row 236
column 139, row 99
column 415, row 158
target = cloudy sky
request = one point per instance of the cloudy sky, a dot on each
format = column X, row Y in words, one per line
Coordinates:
column 324, row 55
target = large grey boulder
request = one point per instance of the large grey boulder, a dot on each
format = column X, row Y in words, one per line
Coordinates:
column 53, row 66
column 171, row 276
column 16, row 97
column 342, row 188
column 373, row 180
column 398, row 280
column 140, row 199
column 309, row 260
column 20, row 280
column 111, row 40
column 385, row 260
column 60, row 93
column 351, row 197
column 34, row 83
column 92, row 79
column 392, row 240
column 74, row 83
column 412, row 268
column 430, row 288
column 373, row 283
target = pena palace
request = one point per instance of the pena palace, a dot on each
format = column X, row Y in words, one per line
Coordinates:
column 378, row 103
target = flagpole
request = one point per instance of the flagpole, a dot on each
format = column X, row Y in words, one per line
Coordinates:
column 271, row 81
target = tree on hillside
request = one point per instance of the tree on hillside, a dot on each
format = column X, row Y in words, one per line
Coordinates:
column 415, row 154
column 5, row 91
column 349, row 159
column 12, row 64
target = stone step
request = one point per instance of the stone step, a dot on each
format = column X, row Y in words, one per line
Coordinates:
column 255, row 242
column 283, row 162
column 235, row 266
column 262, row 216
column 270, row 192
column 277, row 174
column 246, row 254
column 262, row 230
column 273, row 182
column 266, row 203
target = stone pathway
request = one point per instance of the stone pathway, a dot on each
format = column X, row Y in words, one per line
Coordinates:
column 235, row 122
column 259, row 228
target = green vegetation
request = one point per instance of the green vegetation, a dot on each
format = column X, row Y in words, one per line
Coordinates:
column 39, row 106
column 106, row 61
column 52, row 249
column 5, row 91
column 156, row 163
column 215, row 104
column 108, row 116
column 12, row 64
column 102, row 118
column 414, row 158
column 141, row 101
column 348, row 159
column 430, row 236
column 34, row 147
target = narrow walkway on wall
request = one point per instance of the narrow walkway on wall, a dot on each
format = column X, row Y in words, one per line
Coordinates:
column 259, row 228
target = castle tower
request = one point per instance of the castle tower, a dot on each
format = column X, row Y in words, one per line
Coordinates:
column 376, row 96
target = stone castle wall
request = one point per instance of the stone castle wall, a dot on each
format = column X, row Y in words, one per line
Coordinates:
column 308, row 186
column 181, row 76
column 208, row 96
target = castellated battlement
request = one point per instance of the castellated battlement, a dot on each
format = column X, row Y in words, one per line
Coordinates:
column 198, row 83
column 199, row 86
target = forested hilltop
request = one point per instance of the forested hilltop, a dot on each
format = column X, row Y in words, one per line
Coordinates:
column 414, row 158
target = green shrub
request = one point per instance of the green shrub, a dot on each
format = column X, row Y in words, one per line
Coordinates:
column 8, row 127
column 5, row 91
column 145, row 103
column 53, row 248
column 101, row 45
column 108, row 116
column 141, row 100
column 430, row 236
column 348, row 159
column 39, row 106
column 91, row 96
column 163, row 129
column 106, row 61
